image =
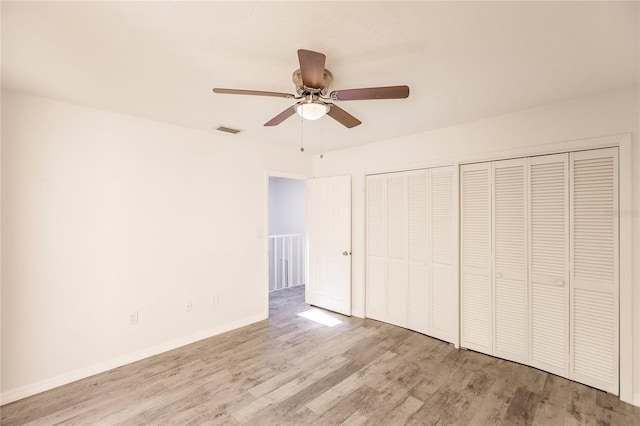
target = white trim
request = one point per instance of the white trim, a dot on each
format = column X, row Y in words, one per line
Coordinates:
column 456, row 250
column 625, row 223
column 72, row 376
column 359, row 313
column 286, row 175
column 549, row 148
column 636, row 400
column 557, row 147
column 407, row 167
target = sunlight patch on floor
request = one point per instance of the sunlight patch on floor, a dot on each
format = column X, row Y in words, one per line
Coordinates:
column 320, row 317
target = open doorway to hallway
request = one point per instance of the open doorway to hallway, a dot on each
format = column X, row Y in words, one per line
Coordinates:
column 286, row 240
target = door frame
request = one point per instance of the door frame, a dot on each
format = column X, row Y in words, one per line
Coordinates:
column 265, row 271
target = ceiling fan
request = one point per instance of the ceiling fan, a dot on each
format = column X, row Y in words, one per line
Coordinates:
column 312, row 82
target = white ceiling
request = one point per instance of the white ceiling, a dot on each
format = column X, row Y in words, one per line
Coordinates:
column 462, row 60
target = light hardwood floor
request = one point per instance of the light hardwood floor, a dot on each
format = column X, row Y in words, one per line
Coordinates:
column 290, row 370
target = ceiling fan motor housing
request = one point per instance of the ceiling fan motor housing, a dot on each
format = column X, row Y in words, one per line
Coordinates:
column 302, row 90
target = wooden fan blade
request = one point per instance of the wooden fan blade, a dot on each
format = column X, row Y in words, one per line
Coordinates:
column 281, row 117
column 252, row 92
column 343, row 117
column 390, row 92
column 311, row 68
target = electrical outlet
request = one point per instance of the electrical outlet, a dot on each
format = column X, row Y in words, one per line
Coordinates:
column 133, row 318
column 188, row 306
column 215, row 301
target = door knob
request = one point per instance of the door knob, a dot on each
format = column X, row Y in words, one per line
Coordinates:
column 498, row 274
column 345, row 253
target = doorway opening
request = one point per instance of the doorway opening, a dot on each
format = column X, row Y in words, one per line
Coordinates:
column 287, row 262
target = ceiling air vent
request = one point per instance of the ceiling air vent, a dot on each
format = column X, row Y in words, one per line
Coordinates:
column 228, row 130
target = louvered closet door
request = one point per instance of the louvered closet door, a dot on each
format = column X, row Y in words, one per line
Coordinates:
column 594, row 256
column 443, row 300
column 475, row 188
column 418, row 299
column 549, row 262
column 397, row 273
column 376, row 285
column 510, row 288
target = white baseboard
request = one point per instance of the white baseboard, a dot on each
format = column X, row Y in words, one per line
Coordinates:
column 636, row 399
column 358, row 313
column 72, row 376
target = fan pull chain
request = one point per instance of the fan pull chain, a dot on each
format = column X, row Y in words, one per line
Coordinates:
column 321, row 150
column 302, row 133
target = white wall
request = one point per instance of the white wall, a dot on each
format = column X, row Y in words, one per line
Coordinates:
column 286, row 206
column 605, row 114
column 103, row 214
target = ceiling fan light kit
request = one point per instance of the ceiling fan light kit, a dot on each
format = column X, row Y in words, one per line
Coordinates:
column 312, row 83
column 312, row 110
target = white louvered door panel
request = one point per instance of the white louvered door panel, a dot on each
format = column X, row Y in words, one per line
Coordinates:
column 376, row 289
column 549, row 263
column 397, row 292
column 594, row 278
column 396, row 208
column 475, row 188
column 418, row 299
column 510, row 289
column 443, row 300
column 376, row 285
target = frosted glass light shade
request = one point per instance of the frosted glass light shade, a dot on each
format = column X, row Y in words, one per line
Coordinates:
column 311, row 111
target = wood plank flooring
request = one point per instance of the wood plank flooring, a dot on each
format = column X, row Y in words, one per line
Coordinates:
column 292, row 371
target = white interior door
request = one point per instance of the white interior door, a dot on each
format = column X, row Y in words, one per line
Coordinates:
column 329, row 243
column 594, row 277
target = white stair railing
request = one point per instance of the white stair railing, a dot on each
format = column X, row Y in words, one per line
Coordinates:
column 286, row 261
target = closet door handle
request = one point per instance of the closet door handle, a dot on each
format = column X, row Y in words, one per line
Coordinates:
column 498, row 274
column 560, row 283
